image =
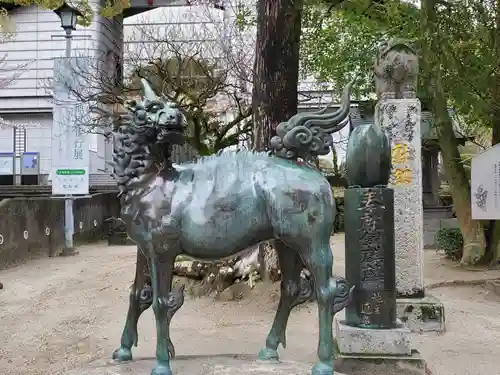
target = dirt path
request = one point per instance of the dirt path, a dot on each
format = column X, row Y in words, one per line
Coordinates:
column 471, row 343
column 61, row 313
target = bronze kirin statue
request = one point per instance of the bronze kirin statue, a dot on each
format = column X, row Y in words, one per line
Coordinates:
column 220, row 205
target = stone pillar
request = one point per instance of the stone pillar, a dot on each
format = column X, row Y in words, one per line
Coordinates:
column 400, row 118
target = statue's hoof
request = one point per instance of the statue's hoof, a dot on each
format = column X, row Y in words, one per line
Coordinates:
column 161, row 369
column 322, row 368
column 122, row 354
column 267, row 354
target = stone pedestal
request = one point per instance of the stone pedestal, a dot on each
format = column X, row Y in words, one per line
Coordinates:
column 422, row 314
column 199, row 365
column 400, row 118
column 376, row 351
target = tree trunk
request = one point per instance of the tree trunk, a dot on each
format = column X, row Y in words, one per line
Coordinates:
column 472, row 231
column 276, row 67
column 275, row 81
column 494, row 240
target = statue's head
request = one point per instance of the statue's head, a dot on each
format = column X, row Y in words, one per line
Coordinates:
column 395, row 44
column 162, row 121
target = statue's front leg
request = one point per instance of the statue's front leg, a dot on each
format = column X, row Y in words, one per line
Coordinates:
column 141, row 298
column 165, row 304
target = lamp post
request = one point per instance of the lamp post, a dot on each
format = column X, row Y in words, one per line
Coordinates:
column 68, row 16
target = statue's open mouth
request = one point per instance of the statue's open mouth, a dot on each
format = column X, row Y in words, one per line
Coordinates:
column 170, row 133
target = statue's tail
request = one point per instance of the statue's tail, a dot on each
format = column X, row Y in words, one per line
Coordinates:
column 307, row 134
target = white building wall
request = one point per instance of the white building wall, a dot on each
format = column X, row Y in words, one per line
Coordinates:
column 6, row 140
column 187, row 29
column 39, row 139
column 29, row 56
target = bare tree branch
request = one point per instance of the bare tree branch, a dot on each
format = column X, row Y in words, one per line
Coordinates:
column 187, row 68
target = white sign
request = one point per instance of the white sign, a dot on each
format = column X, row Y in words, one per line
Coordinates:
column 485, row 185
column 70, row 154
column 7, row 164
column 70, row 146
column 70, row 181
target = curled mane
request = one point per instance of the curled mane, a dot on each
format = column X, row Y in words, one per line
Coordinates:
column 143, row 138
column 131, row 147
column 307, row 135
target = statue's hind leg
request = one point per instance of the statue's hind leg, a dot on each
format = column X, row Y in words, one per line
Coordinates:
column 293, row 292
column 141, row 298
column 319, row 262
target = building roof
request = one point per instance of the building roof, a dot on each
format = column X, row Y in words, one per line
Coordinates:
column 427, row 129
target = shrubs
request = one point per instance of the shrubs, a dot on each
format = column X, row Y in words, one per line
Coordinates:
column 450, row 241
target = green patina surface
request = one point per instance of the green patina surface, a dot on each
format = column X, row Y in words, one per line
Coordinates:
column 369, row 230
column 219, row 206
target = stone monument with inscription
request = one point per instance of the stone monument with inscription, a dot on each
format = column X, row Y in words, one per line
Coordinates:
column 371, row 339
column 398, row 114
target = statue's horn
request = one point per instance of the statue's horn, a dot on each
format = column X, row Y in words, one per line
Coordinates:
column 149, row 94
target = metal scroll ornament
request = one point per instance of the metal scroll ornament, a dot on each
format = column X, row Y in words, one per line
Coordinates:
column 307, row 135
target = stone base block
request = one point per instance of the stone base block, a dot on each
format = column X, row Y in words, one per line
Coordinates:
column 67, row 252
column 422, row 314
column 358, row 364
column 353, row 340
column 199, row 365
column 119, row 238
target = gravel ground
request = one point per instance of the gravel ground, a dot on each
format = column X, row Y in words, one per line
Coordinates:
column 58, row 314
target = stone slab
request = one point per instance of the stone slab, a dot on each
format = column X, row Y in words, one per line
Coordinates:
column 199, row 365
column 356, row 364
column 354, row 340
column 422, row 314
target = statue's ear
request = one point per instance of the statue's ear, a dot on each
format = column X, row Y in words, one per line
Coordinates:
column 148, row 91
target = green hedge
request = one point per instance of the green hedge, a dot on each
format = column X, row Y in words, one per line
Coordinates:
column 450, row 240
